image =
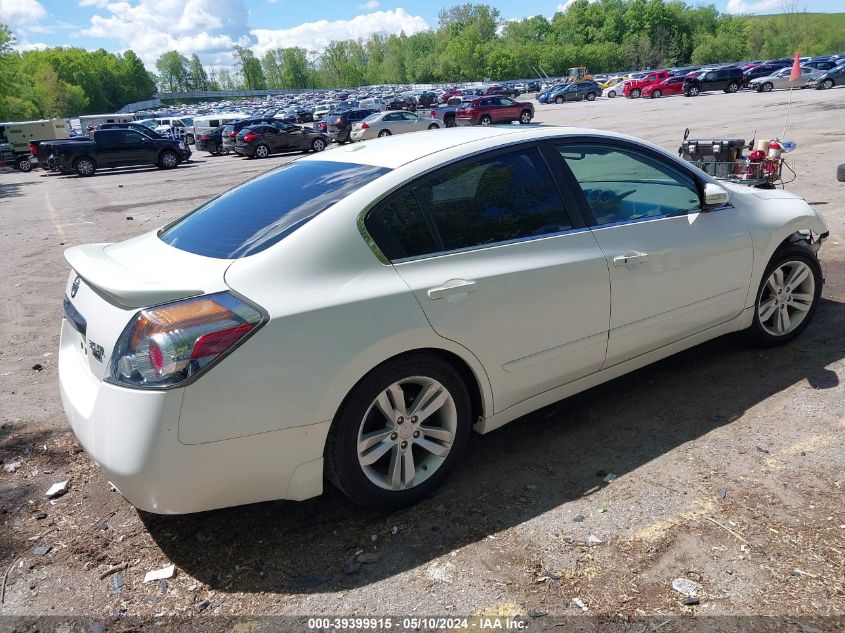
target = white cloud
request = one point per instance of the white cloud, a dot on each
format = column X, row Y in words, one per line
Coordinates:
column 209, row 28
column 316, row 35
column 755, row 6
column 100, row 4
column 564, row 7
column 18, row 12
column 372, row 4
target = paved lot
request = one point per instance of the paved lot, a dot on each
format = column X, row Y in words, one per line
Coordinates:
column 729, row 462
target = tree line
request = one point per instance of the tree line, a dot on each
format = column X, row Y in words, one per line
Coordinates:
column 470, row 42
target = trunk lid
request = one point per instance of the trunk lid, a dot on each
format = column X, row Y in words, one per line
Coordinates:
column 109, row 283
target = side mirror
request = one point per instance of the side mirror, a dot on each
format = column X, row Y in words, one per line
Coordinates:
column 714, row 196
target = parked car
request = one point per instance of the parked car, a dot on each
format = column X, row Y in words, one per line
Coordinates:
column 614, row 90
column 381, row 124
column 725, row 79
column 830, row 78
column 491, row 110
column 211, row 142
column 263, row 139
column 780, row 79
column 760, row 70
column 353, row 316
column 532, row 86
column 545, row 95
column 579, row 91
column 339, row 126
column 208, row 123
column 633, row 88
column 117, row 148
column 820, row 63
column 446, row 113
column 673, row 85
column 231, row 130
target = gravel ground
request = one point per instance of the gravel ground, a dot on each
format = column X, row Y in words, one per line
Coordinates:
column 722, row 465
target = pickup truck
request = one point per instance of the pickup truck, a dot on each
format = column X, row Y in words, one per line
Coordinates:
column 116, row 148
column 446, row 113
column 633, row 88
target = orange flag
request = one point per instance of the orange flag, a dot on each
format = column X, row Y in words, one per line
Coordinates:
column 796, row 68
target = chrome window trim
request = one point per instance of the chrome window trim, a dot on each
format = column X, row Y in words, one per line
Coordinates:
column 484, row 247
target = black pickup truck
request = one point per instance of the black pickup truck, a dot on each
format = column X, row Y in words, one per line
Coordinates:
column 44, row 151
column 116, row 148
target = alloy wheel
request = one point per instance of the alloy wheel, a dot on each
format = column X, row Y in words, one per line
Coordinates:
column 525, row 118
column 169, row 160
column 486, row 120
column 262, row 151
column 827, row 84
column 407, row 433
column 656, row 94
column 318, row 145
column 767, row 87
column 85, row 167
column 786, row 298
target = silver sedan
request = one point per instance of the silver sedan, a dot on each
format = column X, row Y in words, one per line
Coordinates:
column 384, row 124
column 780, row 79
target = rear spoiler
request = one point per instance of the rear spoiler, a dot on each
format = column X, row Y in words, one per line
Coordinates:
column 119, row 284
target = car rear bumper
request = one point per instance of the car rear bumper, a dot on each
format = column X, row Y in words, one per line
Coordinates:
column 466, row 122
column 338, row 135
column 133, row 436
column 244, row 150
column 205, row 146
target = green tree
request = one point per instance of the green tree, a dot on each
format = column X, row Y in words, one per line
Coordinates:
column 54, row 97
column 250, row 69
column 296, row 71
column 173, row 72
column 197, row 77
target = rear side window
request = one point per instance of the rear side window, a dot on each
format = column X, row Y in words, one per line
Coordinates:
column 482, row 202
column 252, row 217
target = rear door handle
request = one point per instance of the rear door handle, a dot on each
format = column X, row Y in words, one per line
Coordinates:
column 631, row 257
column 451, row 288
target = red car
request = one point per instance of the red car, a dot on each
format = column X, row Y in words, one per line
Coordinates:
column 633, row 88
column 671, row 86
column 494, row 109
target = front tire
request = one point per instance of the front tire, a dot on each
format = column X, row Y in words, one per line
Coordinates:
column 827, row 84
column 168, row 160
column 525, row 117
column 693, row 91
column 656, row 94
column 590, row 96
column 787, row 297
column 611, row 94
column 318, row 145
column 399, row 432
column 767, row 87
column 635, row 93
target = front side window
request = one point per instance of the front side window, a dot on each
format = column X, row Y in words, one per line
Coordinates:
column 252, row 217
column 622, row 185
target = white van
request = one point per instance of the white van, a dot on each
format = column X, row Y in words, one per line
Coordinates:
column 89, row 120
column 209, row 122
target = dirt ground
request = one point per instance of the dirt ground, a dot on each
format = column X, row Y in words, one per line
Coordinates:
column 723, row 465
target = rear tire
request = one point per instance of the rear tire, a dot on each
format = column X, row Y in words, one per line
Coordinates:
column 85, row 167
column 318, row 145
column 407, row 377
column 827, row 84
column 779, row 294
column 24, row 164
column 767, row 87
column 693, row 91
column 525, row 117
column 732, row 87
column 262, row 151
column 450, row 122
column 611, row 94
column 485, row 120
column 433, row 126
column 383, row 133
column 590, row 96
column 558, row 100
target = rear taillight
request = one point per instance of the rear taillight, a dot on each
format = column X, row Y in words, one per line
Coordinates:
column 365, row 126
column 205, row 137
column 233, row 134
column 169, row 344
column 250, row 136
column 33, row 149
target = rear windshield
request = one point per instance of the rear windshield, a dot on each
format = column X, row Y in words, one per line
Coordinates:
column 261, row 212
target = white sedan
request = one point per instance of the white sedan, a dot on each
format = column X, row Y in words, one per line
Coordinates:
column 355, row 313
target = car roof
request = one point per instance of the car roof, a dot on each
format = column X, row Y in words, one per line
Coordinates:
column 400, row 149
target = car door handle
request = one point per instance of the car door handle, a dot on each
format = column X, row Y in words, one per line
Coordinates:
column 451, row 288
column 631, row 257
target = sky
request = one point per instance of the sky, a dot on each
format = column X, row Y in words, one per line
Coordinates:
column 211, row 28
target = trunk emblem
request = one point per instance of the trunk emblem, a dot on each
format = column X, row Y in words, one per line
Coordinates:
column 74, row 287
column 96, row 350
